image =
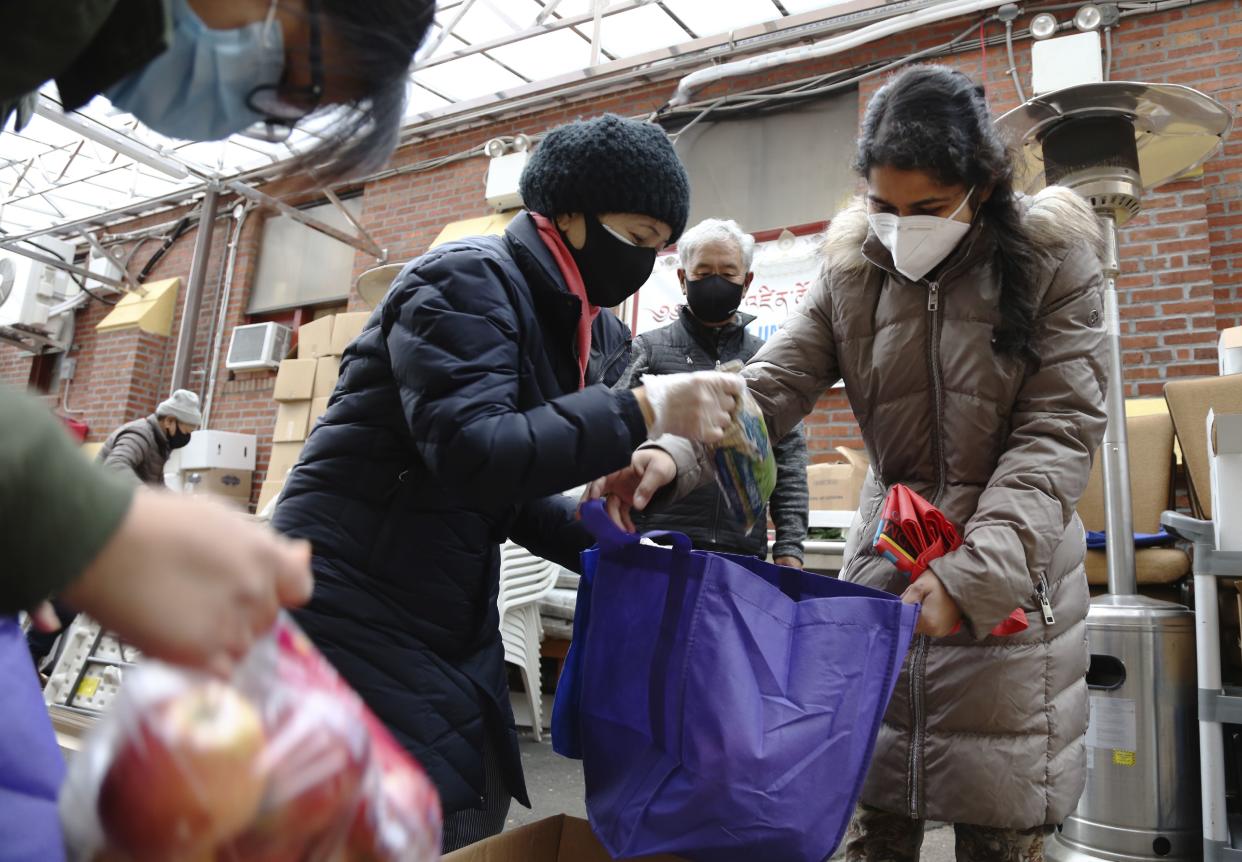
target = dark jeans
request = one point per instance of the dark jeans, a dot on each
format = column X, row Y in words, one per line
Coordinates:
column 463, row 828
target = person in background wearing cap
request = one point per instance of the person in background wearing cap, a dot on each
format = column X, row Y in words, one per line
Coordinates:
column 143, row 447
column 476, row 393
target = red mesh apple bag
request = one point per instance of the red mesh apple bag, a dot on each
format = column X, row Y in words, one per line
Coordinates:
column 281, row 763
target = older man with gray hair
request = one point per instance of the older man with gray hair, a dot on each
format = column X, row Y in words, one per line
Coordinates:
column 716, row 257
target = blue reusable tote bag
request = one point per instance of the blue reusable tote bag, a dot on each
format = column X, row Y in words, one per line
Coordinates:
column 724, row 708
column 31, row 768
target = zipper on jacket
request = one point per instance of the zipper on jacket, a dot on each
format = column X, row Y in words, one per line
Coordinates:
column 918, row 667
column 1045, row 602
column 933, row 357
column 918, row 661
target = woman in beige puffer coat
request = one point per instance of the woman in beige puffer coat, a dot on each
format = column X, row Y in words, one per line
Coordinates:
column 972, row 348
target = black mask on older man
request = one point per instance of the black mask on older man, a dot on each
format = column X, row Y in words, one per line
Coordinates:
column 713, row 299
column 611, row 268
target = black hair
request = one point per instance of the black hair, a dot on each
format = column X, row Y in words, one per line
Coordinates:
column 378, row 39
column 935, row 119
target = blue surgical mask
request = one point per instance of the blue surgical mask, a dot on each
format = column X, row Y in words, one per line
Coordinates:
column 198, row 89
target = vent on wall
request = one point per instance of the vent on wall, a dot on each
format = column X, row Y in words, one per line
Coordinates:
column 257, row 345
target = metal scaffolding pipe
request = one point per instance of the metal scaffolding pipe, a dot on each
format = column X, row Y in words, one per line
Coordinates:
column 194, row 291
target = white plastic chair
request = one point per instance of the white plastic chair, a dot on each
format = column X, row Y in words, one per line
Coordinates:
column 524, row 580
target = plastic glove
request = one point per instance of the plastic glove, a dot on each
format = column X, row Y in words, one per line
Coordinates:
column 699, row 406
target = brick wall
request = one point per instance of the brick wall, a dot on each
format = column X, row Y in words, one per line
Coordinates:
column 1182, row 257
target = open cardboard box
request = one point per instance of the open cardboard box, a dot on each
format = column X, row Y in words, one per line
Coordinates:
column 837, row 486
column 554, row 839
column 1189, row 402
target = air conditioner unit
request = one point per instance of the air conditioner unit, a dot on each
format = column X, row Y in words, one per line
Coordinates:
column 28, row 288
column 258, row 345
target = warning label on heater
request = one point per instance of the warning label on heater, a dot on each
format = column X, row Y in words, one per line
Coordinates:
column 1112, row 724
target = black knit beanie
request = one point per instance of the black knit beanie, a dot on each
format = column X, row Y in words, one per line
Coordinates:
column 608, row 165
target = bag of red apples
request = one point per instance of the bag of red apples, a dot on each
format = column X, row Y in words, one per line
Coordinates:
column 281, row 763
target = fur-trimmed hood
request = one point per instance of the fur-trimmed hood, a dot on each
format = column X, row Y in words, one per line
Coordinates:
column 1056, row 217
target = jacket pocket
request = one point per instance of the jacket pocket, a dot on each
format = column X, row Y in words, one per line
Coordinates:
column 866, row 529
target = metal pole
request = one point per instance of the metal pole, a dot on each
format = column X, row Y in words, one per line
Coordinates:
column 1115, row 449
column 596, row 36
column 194, row 290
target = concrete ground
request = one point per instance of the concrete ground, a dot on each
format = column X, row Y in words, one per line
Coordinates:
column 555, row 785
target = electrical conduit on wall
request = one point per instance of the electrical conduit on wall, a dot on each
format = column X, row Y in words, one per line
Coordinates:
column 239, row 220
column 827, row 48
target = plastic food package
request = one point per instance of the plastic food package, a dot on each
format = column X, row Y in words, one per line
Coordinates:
column 281, row 763
column 744, row 463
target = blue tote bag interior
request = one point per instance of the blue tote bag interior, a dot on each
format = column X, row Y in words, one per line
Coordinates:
column 722, row 706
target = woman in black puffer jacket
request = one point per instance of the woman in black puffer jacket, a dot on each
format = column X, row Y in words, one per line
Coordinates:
column 469, row 401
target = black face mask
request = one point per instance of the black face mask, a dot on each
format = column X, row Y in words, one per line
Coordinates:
column 713, row 299
column 611, row 269
column 178, row 438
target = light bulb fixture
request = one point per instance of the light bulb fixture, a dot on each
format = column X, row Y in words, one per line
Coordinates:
column 521, row 143
column 1088, row 18
column 1044, row 25
column 495, row 148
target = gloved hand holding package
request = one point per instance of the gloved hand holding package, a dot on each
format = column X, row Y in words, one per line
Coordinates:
column 697, row 405
column 283, row 761
column 744, row 462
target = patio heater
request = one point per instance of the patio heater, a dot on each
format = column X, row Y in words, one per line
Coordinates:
column 1111, row 143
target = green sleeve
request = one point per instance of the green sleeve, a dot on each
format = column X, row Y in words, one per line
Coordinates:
column 57, row 510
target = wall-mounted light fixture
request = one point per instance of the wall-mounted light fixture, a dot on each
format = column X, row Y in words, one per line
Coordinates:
column 1088, row 18
column 1044, row 25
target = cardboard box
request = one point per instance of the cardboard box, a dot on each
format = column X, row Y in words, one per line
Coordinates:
column 346, row 328
column 218, row 481
column 319, row 406
column 554, row 839
column 292, row 422
column 1224, row 436
column 1151, row 475
column 218, row 449
column 295, row 381
column 271, row 490
column 283, row 459
column 315, row 338
column 327, row 369
column 1229, row 350
column 837, row 486
column 1189, row 402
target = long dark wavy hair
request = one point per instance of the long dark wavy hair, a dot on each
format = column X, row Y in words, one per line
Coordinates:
column 377, row 41
column 936, row 120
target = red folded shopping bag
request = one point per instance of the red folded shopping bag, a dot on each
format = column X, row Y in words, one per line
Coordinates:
column 912, row 532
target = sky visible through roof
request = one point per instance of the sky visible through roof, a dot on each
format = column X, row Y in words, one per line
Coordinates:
column 51, row 175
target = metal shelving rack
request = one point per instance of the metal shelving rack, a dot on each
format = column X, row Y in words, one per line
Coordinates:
column 1218, row 704
column 89, row 669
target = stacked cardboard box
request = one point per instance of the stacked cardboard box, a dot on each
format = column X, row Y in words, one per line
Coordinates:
column 220, row 463
column 303, row 387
